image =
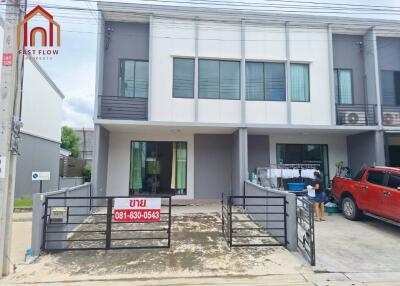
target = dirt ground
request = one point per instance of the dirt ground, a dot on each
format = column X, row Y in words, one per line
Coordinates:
column 197, row 249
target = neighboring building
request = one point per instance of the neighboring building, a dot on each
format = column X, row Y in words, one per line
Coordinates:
column 41, row 114
column 189, row 100
column 85, row 144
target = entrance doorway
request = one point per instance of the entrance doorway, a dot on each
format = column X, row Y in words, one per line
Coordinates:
column 158, row 167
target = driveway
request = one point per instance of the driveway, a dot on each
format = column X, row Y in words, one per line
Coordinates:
column 197, row 249
column 368, row 245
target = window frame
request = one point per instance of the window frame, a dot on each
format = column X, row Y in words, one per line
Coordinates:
column 264, row 82
column 337, row 89
column 219, row 81
column 173, row 74
column 120, row 60
column 397, row 103
column 309, row 81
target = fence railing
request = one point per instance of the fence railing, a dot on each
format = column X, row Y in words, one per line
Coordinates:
column 305, row 229
column 356, row 114
column 254, row 220
column 67, row 226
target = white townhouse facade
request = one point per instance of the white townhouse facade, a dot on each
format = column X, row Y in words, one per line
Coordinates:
column 190, row 100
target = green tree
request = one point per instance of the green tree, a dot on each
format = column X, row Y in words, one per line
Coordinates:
column 70, row 141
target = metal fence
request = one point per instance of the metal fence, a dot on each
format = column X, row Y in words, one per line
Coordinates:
column 254, row 220
column 68, row 225
column 305, row 229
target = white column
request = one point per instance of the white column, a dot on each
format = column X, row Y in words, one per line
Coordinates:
column 150, row 89
column 196, row 70
column 288, row 99
column 331, row 76
column 243, row 71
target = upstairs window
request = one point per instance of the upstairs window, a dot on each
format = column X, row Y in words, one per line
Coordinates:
column 219, row 79
column 183, row 84
column 344, row 86
column 300, row 82
column 390, row 85
column 133, row 78
column 265, row 81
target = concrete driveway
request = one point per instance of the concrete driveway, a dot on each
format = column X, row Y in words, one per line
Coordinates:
column 368, row 245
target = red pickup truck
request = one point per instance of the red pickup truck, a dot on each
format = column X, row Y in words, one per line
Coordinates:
column 374, row 191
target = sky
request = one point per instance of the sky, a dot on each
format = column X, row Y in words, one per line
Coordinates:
column 74, row 70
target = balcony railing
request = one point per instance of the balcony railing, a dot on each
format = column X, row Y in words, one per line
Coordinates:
column 356, row 114
column 119, row 107
column 391, row 115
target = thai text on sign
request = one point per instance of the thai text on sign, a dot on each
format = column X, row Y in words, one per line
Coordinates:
column 137, row 209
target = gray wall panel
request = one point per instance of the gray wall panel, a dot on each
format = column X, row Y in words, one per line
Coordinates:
column 388, row 53
column 258, row 151
column 37, row 154
column 348, row 54
column 212, row 165
column 122, row 41
column 365, row 149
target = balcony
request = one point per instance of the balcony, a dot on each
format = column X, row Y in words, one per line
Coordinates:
column 391, row 115
column 118, row 107
column 356, row 114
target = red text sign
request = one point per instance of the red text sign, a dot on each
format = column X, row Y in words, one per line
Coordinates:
column 137, row 209
column 7, row 59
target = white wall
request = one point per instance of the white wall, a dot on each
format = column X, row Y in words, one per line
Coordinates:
column 311, row 46
column 119, row 159
column 41, row 105
column 337, row 146
column 170, row 38
column 223, row 41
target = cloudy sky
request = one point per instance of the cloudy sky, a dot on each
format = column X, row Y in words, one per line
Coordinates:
column 74, row 69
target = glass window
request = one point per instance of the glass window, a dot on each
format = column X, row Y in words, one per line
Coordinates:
column 390, row 85
column 299, row 82
column 275, row 82
column 255, row 81
column 183, row 78
column 376, row 177
column 219, row 79
column 133, row 78
column 344, row 86
column 265, row 81
column 394, row 181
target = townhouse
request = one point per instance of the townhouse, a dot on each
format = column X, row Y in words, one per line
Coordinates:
column 190, row 100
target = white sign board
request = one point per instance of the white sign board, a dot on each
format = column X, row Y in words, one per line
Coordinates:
column 40, row 176
column 2, row 167
column 137, row 209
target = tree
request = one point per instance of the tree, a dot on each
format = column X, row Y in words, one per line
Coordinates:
column 70, row 141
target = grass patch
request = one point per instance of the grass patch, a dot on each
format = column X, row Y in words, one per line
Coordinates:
column 23, row 203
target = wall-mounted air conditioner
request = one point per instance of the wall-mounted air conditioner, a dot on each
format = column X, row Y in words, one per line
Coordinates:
column 355, row 118
column 391, row 118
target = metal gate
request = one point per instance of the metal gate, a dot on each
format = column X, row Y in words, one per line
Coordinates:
column 305, row 229
column 254, row 220
column 86, row 223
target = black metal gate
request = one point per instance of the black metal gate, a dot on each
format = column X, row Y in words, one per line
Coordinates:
column 305, row 229
column 86, row 223
column 254, row 220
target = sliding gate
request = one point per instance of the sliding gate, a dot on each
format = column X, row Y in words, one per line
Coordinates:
column 254, row 220
column 305, row 229
column 95, row 223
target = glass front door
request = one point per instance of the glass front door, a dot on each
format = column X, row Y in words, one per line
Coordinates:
column 158, row 167
column 305, row 154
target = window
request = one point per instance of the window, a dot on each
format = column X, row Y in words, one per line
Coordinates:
column 344, row 86
column 265, row 81
column 394, row 181
column 133, row 78
column 183, row 78
column 219, row 79
column 299, row 82
column 390, row 84
column 376, row 177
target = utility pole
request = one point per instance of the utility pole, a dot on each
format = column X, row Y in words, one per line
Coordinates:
column 10, row 100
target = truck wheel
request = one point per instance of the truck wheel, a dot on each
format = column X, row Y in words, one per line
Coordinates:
column 350, row 209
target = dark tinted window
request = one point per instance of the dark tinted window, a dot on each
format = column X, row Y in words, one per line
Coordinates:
column 394, row 181
column 376, row 177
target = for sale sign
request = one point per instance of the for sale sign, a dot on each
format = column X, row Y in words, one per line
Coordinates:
column 137, row 209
